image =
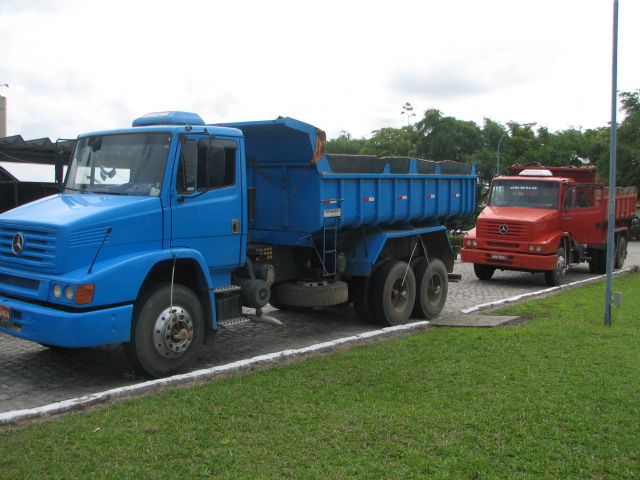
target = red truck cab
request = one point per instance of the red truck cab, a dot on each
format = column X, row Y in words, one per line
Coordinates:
column 543, row 219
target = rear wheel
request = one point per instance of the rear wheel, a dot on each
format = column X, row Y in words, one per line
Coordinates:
column 483, row 272
column 621, row 252
column 167, row 332
column 593, row 263
column 432, row 285
column 554, row 277
column 392, row 293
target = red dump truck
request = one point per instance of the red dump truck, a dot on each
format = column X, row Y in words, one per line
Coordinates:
column 543, row 219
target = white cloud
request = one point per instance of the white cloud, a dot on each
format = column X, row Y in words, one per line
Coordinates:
column 76, row 66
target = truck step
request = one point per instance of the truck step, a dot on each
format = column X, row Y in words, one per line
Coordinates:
column 233, row 321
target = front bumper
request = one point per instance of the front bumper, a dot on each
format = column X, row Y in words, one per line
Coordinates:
column 65, row 329
column 509, row 260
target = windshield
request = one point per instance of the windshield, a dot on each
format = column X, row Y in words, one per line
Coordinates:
column 120, row 164
column 525, row 194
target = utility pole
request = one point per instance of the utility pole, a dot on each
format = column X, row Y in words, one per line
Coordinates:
column 612, row 170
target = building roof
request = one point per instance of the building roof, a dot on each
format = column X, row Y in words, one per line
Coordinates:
column 40, row 150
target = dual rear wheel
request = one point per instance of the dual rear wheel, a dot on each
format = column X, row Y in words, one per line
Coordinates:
column 395, row 291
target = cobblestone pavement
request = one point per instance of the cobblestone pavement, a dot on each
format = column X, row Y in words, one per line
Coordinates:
column 33, row 376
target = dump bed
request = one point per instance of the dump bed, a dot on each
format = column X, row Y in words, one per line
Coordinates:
column 299, row 190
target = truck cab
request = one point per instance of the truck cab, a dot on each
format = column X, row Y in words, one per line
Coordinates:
column 163, row 203
column 542, row 219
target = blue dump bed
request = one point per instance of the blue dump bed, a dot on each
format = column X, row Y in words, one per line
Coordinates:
column 299, row 190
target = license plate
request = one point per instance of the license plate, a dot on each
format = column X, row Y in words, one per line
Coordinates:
column 498, row 256
column 332, row 212
column 5, row 319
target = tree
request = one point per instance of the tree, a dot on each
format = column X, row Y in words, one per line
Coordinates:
column 628, row 158
column 391, row 142
column 345, row 144
column 597, row 143
column 446, row 138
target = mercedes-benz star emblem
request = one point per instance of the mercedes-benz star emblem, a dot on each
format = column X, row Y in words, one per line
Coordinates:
column 503, row 229
column 17, row 245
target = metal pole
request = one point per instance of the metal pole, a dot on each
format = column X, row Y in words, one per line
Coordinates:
column 612, row 169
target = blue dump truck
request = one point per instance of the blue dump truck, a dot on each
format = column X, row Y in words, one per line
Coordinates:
column 166, row 230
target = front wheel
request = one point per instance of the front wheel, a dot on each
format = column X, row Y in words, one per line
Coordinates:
column 165, row 337
column 554, row 277
column 483, row 272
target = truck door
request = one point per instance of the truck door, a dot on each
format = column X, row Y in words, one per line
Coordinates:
column 206, row 210
column 583, row 214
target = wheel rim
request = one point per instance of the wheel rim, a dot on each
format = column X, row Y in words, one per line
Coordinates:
column 173, row 332
column 399, row 295
column 434, row 290
column 561, row 266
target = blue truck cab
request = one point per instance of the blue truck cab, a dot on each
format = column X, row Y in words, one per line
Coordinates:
column 164, row 231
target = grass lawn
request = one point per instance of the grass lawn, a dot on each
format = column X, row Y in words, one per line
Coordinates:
column 557, row 398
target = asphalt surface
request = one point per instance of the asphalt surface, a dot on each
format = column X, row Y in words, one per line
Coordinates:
column 34, row 376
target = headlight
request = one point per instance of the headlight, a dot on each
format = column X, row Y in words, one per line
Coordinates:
column 68, row 292
column 78, row 294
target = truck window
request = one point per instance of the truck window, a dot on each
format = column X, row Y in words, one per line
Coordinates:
column 205, row 167
column 583, row 196
column 119, row 164
column 524, row 194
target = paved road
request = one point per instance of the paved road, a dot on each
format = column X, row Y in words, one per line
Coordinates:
column 33, row 376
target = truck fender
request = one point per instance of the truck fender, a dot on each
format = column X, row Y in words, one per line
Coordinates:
column 185, row 267
column 366, row 248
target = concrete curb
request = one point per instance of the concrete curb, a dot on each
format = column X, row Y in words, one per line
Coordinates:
column 538, row 292
column 199, row 377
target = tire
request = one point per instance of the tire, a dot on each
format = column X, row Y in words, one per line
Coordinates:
column 164, row 342
column 392, row 293
column 286, row 308
column 621, row 252
column 593, row 263
column 483, row 272
column 359, row 288
column 294, row 294
column 554, row 277
column 601, row 266
column 432, row 287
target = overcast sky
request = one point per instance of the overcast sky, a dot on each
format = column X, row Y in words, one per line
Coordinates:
column 82, row 65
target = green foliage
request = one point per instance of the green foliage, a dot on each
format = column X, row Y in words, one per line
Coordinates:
column 391, row 142
column 439, row 137
column 345, row 144
column 446, row 138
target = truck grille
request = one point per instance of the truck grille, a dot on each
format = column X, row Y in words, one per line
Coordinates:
column 39, row 246
column 506, row 231
column 19, row 282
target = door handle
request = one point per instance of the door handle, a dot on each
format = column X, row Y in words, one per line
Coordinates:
column 235, row 225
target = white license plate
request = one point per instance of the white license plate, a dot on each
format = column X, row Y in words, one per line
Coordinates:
column 498, row 256
column 332, row 212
